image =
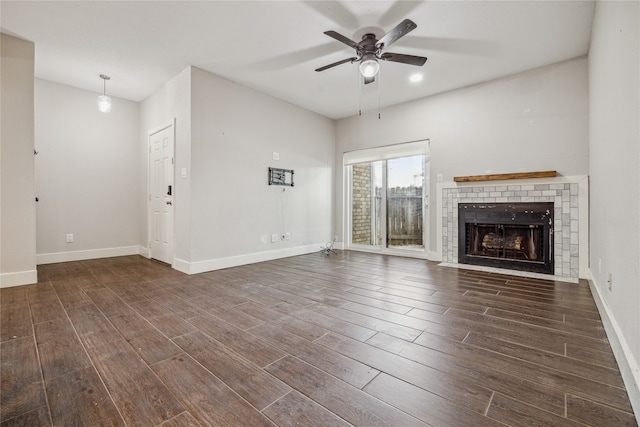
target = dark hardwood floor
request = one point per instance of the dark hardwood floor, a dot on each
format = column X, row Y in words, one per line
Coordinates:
column 346, row 339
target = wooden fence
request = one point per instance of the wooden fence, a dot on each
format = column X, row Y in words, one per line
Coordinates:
column 404, row 225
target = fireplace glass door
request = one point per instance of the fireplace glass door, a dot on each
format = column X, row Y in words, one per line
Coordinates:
column 517, row 236
column 516, row 242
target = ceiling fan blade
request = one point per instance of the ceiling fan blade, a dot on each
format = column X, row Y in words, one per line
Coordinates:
column 290, row 59
column 368, row 80
column 451, row 45
column 335, row 11
column 398, row 31
column 397, row 11
column 326, row 67
column 404, row 59
column 342, row 39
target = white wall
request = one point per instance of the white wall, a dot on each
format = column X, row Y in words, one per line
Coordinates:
column 17, row 181
column 235, row 131
column 172, row 102
column 536, row 120
column 86, row 174
column 615, row 180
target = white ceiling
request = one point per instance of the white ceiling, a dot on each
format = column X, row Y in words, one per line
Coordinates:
column 274, row 46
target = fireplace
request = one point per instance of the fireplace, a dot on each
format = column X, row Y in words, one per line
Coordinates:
column 517, row 236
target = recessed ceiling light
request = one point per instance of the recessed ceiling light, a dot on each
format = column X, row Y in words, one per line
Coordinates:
column 415, row 78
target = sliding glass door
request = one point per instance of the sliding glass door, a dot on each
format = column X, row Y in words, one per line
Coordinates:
column 387, row 203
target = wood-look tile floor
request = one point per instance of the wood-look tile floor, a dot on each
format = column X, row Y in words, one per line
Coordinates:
column 346, row 339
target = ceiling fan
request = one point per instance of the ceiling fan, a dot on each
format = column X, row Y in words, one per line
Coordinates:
column 369, row 50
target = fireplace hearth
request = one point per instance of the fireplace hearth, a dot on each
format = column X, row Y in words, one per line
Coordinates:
column 517, row 236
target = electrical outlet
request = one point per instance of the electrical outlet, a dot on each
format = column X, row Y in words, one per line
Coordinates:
column 70, row 238
column 274, row 238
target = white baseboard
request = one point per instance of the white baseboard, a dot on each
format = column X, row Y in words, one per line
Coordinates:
column 182, row 266
column 52, row 258
column 143, row 251
column 18, row 278
column 627, row 363
column 234, row 261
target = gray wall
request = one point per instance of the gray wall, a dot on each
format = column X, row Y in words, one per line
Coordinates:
column 614, row 167
column 17, row 206
column 171, row 102
column 86, row 174
column 235, row 131
column 226, row 135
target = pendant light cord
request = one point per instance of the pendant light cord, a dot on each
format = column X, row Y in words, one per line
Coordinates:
column 104, row 78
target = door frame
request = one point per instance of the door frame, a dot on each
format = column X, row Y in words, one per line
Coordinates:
column 170, row 124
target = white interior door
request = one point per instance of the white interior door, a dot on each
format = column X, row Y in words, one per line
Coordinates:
column 161, row 192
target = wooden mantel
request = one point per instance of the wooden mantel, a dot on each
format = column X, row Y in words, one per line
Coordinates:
column 499, row 176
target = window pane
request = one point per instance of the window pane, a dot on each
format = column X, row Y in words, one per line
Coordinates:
column 405, row 178
column 366, row 202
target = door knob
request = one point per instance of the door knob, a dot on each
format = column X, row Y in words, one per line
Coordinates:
column 169, row 202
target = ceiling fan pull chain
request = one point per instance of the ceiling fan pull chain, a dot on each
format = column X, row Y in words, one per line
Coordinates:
column 379, row 90
column 360, row 85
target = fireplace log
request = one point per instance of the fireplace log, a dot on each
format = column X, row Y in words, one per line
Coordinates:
column 495, row 241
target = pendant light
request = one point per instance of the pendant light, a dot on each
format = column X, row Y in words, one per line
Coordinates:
column 104, row 102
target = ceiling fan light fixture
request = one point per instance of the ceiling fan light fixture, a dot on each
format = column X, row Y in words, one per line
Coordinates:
column 104, row 102
column 369, row 66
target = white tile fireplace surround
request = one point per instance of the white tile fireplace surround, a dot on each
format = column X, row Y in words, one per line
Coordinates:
column 569, row 196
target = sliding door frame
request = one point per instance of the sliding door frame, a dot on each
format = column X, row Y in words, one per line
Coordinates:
column 348, row 205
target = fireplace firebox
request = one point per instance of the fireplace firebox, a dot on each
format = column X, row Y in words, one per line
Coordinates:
column 517, row 236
